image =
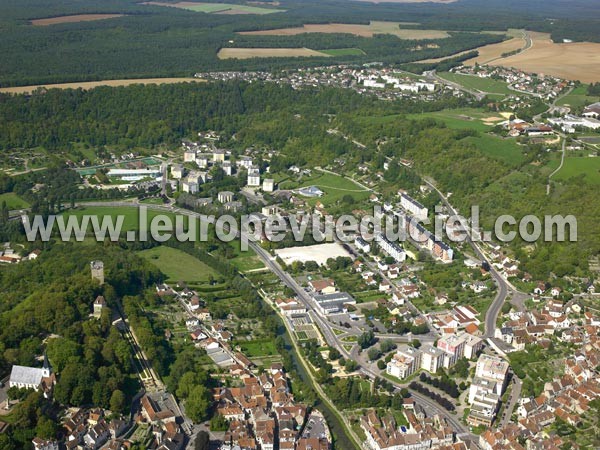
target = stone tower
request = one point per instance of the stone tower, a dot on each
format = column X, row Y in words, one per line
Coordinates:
column 97, row 268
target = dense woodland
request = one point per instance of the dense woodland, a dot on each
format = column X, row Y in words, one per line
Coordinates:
column 54, row 295
column 163, row 41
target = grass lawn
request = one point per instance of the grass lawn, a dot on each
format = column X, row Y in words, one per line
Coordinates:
column 504, row 149
column 343, row 52
column 577, row 98
column 577, row 166
column 478, row 83
column 244, row 261
column 13, row 201
column 177, row 265
column 334, row 187
column 258, row 348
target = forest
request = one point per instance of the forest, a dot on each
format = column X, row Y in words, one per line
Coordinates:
column 154, row 41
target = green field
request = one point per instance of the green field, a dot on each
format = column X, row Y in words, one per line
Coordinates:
column 480, row 84
column 577, row 98
column 13, row 201
column 343, row 51
column 504, row 149
column 220, row 7
column 258, row 348
column 587, row 167
column 177, row 265
column 131, row 216
column 455, row 119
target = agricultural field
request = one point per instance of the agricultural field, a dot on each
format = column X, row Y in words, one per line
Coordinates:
column 577, row 98
column 572, row 61
column 491, row 52
column 585, row 168
column 248, row 53
column 177, row 265
column 93, row 84
column 218, row 8
column 374, row 27
column 13, row 201
column 72, row 19
column 486, row 85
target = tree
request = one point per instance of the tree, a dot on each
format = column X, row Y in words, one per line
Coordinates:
column 197, row 404
column 366, row 339
column 117, row 401
column 373, row 353
column 202, row 441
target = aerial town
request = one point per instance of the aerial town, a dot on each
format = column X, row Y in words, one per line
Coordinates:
column 295, row 225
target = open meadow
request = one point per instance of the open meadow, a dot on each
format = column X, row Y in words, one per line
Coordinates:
column 578, row 97
column 177, row 265
column 586, row 168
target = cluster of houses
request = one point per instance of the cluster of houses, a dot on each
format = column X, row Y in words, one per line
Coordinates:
column 9, row 256
column 91, row 429
column 207, row 155
column 371, row 79
column 460, row 317
column 538, row 85
column 263, row 414
column 421, row 433
column 538, row 326
column 448, row 350
column 567, row 397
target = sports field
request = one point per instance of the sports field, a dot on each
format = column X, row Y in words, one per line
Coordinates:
column 247, row 53
column 374, row 27
column 72, row 19
column 177, row 265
